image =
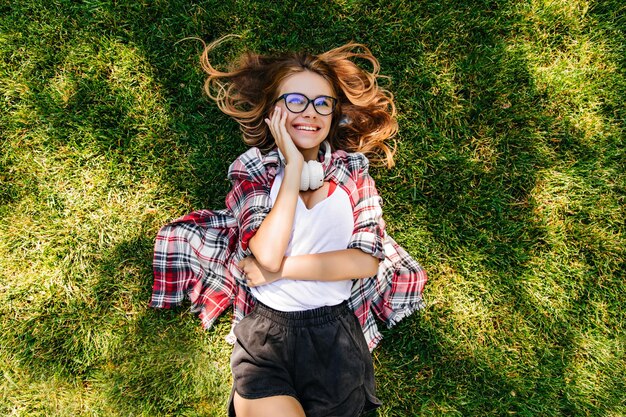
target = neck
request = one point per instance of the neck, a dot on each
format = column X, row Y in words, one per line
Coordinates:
column 310, row 154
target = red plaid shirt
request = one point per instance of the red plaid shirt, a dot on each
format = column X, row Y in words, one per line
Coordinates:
column 197, row 254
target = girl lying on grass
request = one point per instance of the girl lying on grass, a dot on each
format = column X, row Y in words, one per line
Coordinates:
column 301, row 249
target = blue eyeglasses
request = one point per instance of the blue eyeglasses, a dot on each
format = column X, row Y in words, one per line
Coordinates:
column 298, row 103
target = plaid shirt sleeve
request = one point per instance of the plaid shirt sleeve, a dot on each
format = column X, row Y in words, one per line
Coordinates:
column 369, row 225
column 399, row 285
column 190, row 259
column 249, row 199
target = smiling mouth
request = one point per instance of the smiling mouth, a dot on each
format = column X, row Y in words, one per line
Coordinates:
column 307, row 128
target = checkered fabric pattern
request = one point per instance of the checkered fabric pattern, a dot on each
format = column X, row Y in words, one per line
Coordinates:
column 197, row 254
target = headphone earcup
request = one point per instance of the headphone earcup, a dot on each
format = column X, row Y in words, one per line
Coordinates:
column 316, row 175
column 304, row 177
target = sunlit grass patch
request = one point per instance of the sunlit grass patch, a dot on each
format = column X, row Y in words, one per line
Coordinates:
column 595, row 359
column 26, row 393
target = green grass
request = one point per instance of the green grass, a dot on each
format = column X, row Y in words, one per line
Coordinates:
column 509, row 188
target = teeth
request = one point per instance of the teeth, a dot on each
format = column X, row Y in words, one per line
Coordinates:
column 309, row 128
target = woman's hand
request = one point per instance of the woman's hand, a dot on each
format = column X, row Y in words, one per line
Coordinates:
column 277, row 124
column 255, row 274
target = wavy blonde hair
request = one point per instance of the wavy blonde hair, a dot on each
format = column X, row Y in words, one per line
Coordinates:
column 364, row 119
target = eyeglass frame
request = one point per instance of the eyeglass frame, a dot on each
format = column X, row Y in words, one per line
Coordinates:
column 309, row 101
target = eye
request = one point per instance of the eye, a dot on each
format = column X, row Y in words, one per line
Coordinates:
column 323, row 102
column 295, row 99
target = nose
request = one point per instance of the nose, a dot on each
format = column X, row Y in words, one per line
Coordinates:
column 309, row 111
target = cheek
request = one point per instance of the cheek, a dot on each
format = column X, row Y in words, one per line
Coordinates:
column 290, row 119
column 327, row 125
column 290, row 116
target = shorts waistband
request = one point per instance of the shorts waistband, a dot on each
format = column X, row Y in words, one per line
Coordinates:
column 314, row 317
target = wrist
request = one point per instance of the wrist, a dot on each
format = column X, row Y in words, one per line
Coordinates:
column 294, row 164
column 293, row 172
column 284, row 267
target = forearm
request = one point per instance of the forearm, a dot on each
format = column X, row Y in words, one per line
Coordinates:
column 330, row 266
column 270, row 242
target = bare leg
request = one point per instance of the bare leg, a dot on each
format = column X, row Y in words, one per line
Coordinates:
column 277, row 406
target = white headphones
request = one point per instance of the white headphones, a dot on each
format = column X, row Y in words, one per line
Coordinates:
column 312, row 176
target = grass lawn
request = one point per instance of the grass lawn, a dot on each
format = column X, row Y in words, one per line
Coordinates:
column 509, row 188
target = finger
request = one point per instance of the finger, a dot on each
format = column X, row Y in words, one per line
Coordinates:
column 275, row 114
column 286, row 141
column 271, row 122
column 277, row 131
column 276, row 119
column 283, row 126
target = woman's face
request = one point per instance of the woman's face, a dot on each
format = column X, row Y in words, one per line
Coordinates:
column 307, row 129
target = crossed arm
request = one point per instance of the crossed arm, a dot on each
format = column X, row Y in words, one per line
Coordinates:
column 326, row 266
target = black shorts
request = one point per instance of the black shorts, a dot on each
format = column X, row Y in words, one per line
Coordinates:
column 318, row 356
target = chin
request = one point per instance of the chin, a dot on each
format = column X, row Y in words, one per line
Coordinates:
column 307, row 142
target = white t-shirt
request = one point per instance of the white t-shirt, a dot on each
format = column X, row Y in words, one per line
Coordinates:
column 325, row 227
